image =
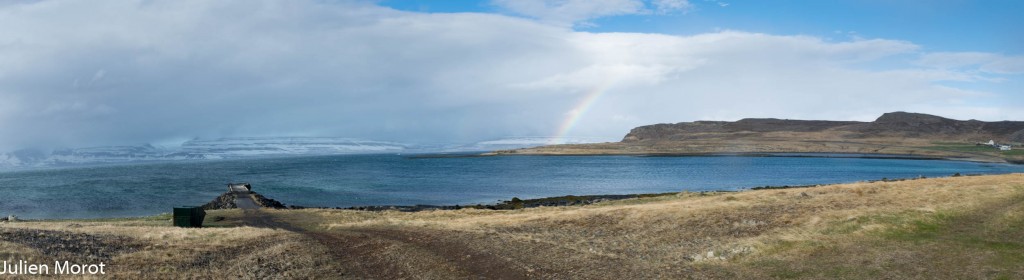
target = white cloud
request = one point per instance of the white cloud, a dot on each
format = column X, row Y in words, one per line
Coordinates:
column 980, row 61
column 1005, row 65
column 671, row 6
column 720, row 4
column 155, row 70
column 569, row 12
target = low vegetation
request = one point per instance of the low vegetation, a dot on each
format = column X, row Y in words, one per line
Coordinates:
column 958, row 227
column 974, row 148
column 898, row 134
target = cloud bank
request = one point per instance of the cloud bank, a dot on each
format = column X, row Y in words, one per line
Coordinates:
column 81, row 73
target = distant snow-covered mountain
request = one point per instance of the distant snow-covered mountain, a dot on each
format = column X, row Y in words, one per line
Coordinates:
column 268, row 146
column 198, row 149
column 111, row 154
column 242, row 147
column 527, row 142
column 24, row 158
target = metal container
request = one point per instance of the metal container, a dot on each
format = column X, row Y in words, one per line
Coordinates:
column 188, row 216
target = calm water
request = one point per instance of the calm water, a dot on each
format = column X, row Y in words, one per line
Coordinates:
column 351, row 180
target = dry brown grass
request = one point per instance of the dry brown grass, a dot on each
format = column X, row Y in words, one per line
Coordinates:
column 166, row 252
column 780, row 142
column 962, row 227
column 755, row 233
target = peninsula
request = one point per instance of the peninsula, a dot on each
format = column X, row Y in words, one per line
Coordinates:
column 898, row 133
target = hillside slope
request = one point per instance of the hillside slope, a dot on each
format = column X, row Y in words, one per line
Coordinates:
column 898, row 133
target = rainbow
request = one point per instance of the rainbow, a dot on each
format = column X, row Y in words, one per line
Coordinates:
column 573, row 116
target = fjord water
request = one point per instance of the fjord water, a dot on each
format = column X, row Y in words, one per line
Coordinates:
column 354, row 180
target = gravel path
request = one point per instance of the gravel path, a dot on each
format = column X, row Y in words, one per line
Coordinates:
column 244, row 201
column 243, row 198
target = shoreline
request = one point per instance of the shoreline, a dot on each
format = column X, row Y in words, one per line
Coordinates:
column 569, row 197
column 513, row 203
column 749, row 154
column 800, row 232
column 579, row 200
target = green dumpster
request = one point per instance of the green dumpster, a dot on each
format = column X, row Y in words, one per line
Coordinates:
column 188, row 216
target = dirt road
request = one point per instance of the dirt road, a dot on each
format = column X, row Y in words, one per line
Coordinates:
column 402, row 254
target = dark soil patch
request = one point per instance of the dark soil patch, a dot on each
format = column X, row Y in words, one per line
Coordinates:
column 72, row 246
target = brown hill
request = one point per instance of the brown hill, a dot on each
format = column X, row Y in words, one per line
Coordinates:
column 897, row 124
column 893, row 133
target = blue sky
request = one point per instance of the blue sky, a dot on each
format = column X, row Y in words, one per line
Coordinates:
column 94, row 73
column 932, row 25
column 941, row 25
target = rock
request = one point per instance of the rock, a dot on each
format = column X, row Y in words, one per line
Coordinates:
column 267, row 202
column 224, row 201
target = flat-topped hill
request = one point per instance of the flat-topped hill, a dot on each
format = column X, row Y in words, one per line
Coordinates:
column 892, row 133
column 897, row 124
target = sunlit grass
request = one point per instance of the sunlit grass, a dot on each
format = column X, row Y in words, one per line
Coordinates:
column 962, row 227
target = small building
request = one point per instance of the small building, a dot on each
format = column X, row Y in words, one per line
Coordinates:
column 1005, row 148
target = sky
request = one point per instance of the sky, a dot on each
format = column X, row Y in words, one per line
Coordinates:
column 76, row 73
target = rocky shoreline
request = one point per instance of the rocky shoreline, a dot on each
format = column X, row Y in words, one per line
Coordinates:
column 903, row 156
column 227, row 201
column 514, row 203
column 517, row 203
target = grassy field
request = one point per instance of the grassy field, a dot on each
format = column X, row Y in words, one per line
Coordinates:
column 784, row 143
column 957, row 227
column 1011, row 155
column 974, row 148
column 964, row 148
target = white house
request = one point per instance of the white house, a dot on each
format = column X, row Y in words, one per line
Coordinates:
column 1005, row 147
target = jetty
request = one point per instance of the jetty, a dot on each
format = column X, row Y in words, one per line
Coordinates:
column 242, row 195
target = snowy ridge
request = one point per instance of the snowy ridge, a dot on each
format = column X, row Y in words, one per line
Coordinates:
column 242, row 147
column 8, row 160
column 111, row 154
column 253, row 146
column 197, row 149
column 528, row 141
